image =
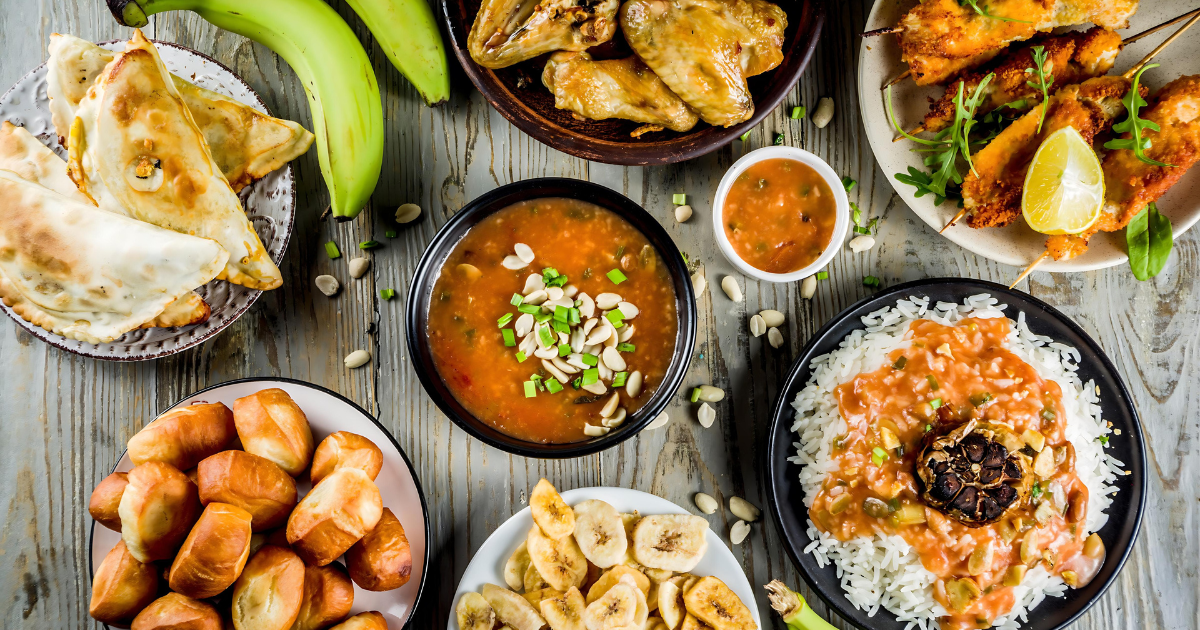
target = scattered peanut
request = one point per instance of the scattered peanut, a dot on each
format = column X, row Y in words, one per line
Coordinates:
column 357, row 359
column 706, row 503
column 358, row 267
column 328, row 285
column 706, row 416
column 808, row 288
column 407, row 213
column 730, row 286
column 738, row 532
column 683, row 213
column 757, row 326
column 824, row 112
column 772, row 318
column 708, row 393
column 659, row 421
column 743, row 509
column 775, row 338
column 862, row 243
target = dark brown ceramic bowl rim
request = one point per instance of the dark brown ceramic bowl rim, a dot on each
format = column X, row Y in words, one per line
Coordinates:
column 670, row 150
column 429, row 268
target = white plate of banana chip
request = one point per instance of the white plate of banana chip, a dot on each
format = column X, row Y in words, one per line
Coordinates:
column 603, row 559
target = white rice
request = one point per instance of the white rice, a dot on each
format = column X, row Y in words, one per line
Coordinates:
column 884, row 571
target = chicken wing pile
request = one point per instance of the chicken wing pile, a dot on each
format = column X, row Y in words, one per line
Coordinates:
column 691, row 57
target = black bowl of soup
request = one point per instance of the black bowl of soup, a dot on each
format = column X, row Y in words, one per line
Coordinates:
column 551, row 318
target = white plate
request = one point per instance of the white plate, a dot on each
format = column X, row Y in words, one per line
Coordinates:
column 328, row 412
column 879, row 61
column 269, row 202
column 488, row 564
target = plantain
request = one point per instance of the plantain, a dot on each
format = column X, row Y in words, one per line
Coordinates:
column 408, row 33
column 343, row 93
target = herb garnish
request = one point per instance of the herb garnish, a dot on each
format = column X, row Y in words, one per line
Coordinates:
column 945, row 147
column 1134, row 125
column 974, row 4
column 1039, row 60
column 1149, row 239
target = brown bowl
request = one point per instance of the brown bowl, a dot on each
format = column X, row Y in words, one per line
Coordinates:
column 518, row 94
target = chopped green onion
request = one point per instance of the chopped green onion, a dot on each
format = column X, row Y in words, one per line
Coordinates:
column 589, row 359
column 517, row 299
column 564, row 349
column 933, row 384
column 980, row 400
column 679, row 199
column 798, row 112
column 855, row 213
column 928, row 428
column 590, row 376
column 530, row 389
column 387, row 294
column 822, row 275
column 1103, row 439
column 504, row 319
column 562, row 327
column 549, row 272
column 871, row 281
column 521, row 357
column 619, row 379
column 849, row 183
column 542, row 318
column 935, row 403
column 532, row 309
column 878, row 456
column 368, row 245
column 1048, row 414
column 746, row 136
column 331, row 249
column 616, row 318
column 556, row 281
column 545, row 336
column 893, row 504
column 778, row 139
column 573, row 316
column 695, row 394
column 391, row 233
column 858, row 229
column 510, row 337
column 577, row 383
column 561, row 314
column 899, row 364
column 626, row 347
column 553, row 386
column 1036, row 491
column 616, row 276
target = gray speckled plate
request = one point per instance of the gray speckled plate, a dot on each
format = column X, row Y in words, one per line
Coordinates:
column 270, row 203
column 879, row 61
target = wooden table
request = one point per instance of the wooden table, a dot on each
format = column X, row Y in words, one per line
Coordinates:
column 66, row 419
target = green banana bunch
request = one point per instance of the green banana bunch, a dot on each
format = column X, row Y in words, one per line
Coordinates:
column 331, row 63
column 408, row 33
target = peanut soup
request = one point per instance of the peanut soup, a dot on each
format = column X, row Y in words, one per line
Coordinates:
column 552, row 320
column 779, row 215
column 959, row 446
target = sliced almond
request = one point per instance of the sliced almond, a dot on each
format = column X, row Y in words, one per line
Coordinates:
column 612, row 358
column 633, row 384
column 524, row 252
column 587, row 306
column 599, row 334
column 534, row 282
column 536, row 297
column 610, row 406
column 625, row 333
column 628, row 310
column 606, row 301
column 523, row 325
column 615, row 420
column 566, row 368
column 555, row 293
column 513, row 262
column 593, row 431
column 558, row 374
column 598, row 388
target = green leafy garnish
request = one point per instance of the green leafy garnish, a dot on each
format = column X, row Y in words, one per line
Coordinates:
column 590, row 376
column 589, row 359
column 530, row 389
column 1103, row 439
column 387, row 294
column 504, row 319
column 553, row 386
column 746, row 136
column 778, row 139
column 1036, row 491
column 1133, row 125
column 1043, row 81
column 1150, row 240
column 871, row 281
column 945, row 147
column 616, row 276
column 619, row 379
column 510, row 337
column 564, row 349
column 626, row 347
column 974, row 4
column 900, row 363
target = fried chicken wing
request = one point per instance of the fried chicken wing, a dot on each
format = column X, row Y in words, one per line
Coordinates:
column 992, row 192
column 704, row 49
column 1070, row 58
column 941, row 38
column 1131, row 184
column 507, row 32
column 615, row 88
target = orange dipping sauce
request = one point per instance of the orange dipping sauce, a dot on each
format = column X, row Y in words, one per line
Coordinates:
column 779, row 215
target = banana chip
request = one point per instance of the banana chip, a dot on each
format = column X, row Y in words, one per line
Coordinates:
column 712, row 602
column 565, row 611
column 535, row 598
column 612, row 577
column 673, row 542
column 560, row 562
column 600, row 532
column 670, row 604
column 532, row 580
column 512, row 609
column 692, row 623
column 515, row 568
column 474, row 613
column 550, row 512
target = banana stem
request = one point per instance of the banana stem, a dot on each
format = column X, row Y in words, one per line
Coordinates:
column 343, row 94
column 796, row 612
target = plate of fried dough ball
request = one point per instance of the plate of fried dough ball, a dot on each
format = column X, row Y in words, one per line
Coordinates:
column 259, row 504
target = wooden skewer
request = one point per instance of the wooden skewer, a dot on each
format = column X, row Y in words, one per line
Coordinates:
column 903, row 75
column 888, row 30
column 958, row 217
column 1128, row 75
column 1028, row 270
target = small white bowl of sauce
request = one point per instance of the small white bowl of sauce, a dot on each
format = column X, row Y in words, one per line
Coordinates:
column 780, row 214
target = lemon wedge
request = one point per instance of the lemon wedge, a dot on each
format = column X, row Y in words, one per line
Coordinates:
column 1064, row 188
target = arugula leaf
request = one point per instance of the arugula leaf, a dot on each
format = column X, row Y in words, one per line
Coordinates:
column 974, row 4
column 922, row 182
column 1133, row 125
column 1039, row 60
column 1149, row 239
